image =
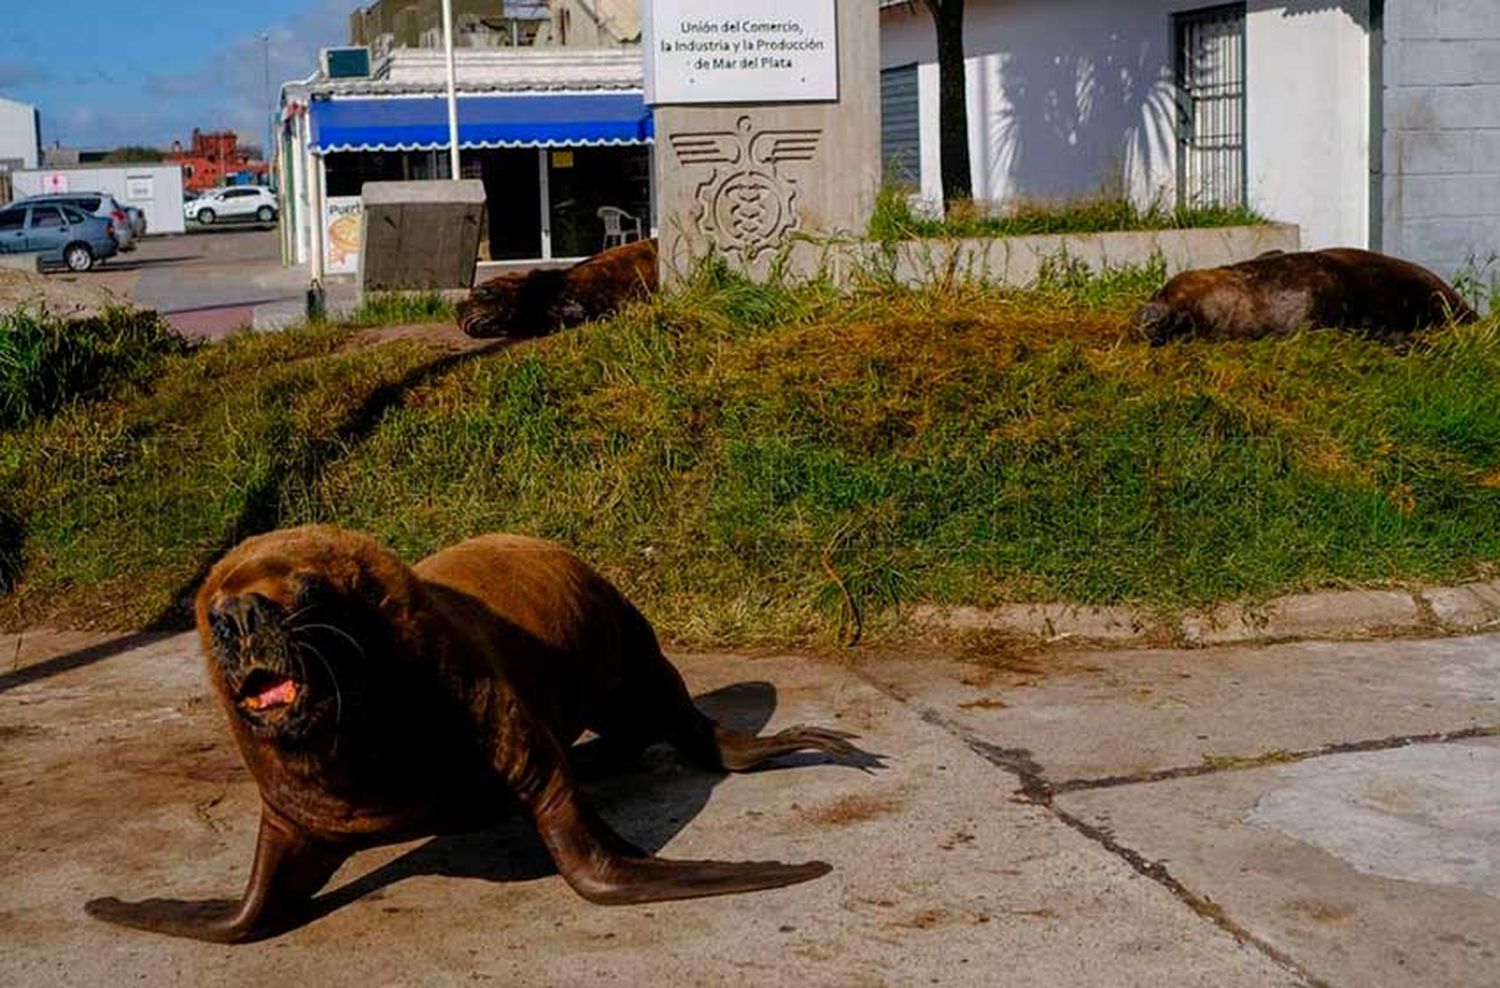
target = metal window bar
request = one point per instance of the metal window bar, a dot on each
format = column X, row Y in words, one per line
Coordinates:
column 1211, row 169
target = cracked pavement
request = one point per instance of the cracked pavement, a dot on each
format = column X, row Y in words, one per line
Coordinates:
column 1314, row 813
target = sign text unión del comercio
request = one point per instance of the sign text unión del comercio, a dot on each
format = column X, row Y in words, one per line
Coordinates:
column 741, row 51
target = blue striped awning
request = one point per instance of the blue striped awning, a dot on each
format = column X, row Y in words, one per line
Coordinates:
column 420, row 123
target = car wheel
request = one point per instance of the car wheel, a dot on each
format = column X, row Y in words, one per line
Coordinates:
column 266, row 214
column 78, row 257
column 206, row 217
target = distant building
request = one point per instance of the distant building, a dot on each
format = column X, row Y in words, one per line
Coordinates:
column 391, row 24
column 20, row 135
column 216, row 159
column 558, row 138
column 594, row 23
column 58, row 156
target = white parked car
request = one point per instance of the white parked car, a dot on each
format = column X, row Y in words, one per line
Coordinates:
column 244, row 202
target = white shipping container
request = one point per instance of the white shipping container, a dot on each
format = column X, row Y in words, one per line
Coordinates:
column 155, row 190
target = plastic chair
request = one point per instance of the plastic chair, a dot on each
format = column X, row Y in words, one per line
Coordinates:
column 619, row 226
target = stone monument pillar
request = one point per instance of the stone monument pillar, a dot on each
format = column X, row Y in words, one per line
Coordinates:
column 767, row 128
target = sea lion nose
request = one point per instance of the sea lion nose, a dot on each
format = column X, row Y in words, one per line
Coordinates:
column 247, row 613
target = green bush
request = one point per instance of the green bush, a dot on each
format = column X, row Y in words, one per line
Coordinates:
column 47, row 363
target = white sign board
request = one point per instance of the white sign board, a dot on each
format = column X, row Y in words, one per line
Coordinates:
column 343, row 230
column 741, row 51
column 140, row 188
column 54, row 183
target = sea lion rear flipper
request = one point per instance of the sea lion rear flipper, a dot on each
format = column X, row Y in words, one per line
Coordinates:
column 598, row 863
column 289, row 868
column 605, row 869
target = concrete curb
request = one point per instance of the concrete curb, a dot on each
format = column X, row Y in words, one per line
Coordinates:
column 1335, row 615
column 29, row 262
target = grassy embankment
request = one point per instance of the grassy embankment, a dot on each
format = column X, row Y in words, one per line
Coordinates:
column 733, row 454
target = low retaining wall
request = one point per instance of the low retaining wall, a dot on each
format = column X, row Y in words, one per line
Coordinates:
column 1017, row 261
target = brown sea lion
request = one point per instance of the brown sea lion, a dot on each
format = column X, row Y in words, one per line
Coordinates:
column 1277, row 294
column 535, row 303
column 375, row 702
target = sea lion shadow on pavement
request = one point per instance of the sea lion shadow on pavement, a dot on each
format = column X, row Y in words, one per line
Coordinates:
column 649, row 800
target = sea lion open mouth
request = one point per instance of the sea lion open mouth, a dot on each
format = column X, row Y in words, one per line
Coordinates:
column 265, row 691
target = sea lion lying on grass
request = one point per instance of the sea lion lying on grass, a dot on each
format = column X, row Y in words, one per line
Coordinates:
column 1278, row 294
column 535, row 303
column 375, row 702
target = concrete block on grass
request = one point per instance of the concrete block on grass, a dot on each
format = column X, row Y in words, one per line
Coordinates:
column 421, row 236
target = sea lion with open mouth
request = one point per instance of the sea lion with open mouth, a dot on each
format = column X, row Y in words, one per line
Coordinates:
column 375, row 702
column 1278, row 294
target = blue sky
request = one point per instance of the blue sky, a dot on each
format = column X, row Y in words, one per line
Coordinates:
column 106, row 73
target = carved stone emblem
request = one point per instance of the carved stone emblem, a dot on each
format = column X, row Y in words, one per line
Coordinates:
column 746, row 205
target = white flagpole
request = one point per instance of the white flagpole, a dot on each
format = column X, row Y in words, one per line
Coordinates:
column 456, row 174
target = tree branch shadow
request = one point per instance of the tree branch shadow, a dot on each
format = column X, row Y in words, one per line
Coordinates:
column 262, row 511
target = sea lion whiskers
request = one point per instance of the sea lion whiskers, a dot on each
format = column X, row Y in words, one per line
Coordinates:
column 291, row 619
column 328, row 627
column 298, row 645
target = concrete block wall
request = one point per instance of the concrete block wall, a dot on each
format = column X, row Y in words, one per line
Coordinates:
column 1441, row 142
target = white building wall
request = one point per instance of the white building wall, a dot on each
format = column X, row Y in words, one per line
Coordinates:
column 1441, row 157
column 1066, row 98
column 18, row 133
column 1075, row 97
column 1308, row 118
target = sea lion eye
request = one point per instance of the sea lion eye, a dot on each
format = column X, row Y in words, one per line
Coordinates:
column 313, row 590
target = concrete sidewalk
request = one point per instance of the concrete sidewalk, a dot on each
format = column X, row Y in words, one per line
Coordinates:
column 1336, row 804
column 1299, row 814
column 120, row 779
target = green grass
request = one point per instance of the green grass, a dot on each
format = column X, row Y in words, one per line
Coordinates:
column 716, row 452
column 402, row 308
column 1478, row 281
column 47, row 363
column 893, row 219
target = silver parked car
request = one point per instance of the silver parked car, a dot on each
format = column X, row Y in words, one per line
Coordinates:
column 100, row 204
column 137, row 221
column 57, row 232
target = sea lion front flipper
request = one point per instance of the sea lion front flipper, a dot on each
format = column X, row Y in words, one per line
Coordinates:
column 741, row 752
column 289, row 868
column 605, row 869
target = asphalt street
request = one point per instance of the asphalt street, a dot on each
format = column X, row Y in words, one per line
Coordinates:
column 208, row 283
